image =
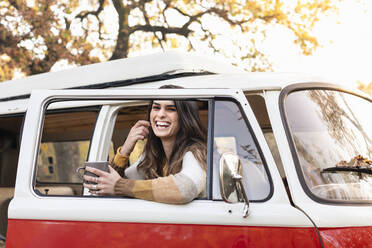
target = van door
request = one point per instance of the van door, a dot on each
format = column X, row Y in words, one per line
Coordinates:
column 325, row 143
column 73, row 218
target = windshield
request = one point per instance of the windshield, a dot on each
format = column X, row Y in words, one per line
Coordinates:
column 332, row 134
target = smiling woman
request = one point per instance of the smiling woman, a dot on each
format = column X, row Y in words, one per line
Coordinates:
column 164, row 120
column 170, row 167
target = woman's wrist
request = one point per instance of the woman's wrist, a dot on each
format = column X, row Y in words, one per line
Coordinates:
column 123, row 152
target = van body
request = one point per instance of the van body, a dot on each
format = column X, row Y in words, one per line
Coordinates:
column 304, row 145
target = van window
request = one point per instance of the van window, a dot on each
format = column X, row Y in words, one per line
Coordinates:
column 66, row 140
column 332, row 135
column 64, row 147
column 232, row 134
column 128, row 115
column 69, row 155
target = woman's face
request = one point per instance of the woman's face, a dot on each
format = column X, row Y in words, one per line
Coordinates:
column 164, row 119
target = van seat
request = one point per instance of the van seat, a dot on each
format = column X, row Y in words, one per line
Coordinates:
column 5, row 193
column 55, row 190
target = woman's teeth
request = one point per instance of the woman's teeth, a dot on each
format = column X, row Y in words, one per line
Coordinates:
column 162, row 124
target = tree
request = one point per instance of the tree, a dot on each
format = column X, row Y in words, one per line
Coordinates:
column 35, row 35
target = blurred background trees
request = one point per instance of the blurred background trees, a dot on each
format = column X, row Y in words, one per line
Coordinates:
column 37, row 35
column 367, row 88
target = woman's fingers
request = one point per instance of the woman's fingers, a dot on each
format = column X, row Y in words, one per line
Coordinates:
column 141, row 130
column 90, row 179
column 145, row 131
column 105, row 184
column 96, row 189
column 142, row 123
column 93, row 187
column 138, row 132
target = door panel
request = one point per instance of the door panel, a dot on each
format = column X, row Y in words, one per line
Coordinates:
column 93, row 221
column 44, row 233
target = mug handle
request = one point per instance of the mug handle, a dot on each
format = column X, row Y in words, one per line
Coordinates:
column 78, row 172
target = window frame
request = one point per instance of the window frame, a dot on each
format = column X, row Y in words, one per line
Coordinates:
column 113, row 113
column 234, row 95
column 255, row 140
column 282, row 99
column 45, row 112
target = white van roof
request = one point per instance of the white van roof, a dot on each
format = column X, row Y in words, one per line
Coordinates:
column 119, row 72
column 148, row 71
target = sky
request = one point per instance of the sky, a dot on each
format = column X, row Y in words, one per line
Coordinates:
column 346, row 46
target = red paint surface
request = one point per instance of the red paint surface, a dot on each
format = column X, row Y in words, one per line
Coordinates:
column 347, row 237
column 70, row 234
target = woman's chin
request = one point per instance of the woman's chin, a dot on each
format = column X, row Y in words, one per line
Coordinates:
column 163, row 135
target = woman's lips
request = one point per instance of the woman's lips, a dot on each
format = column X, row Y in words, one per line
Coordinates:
column 162, row 124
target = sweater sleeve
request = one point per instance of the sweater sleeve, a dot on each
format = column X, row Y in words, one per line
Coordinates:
column 120, row 160
column 180, row 188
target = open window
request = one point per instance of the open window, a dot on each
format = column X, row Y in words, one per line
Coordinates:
column 63, row 148
column 94, row 129
column 129, row 114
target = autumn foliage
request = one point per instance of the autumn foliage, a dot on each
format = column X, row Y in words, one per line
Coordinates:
column 35, row 35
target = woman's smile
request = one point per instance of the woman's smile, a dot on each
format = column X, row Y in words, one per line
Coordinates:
column 162, row 124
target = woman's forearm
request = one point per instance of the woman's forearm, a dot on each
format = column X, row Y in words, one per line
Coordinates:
column 173, row 189
column 179, row 188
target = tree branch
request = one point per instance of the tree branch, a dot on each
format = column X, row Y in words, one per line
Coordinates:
column 82, row 15
column 147, row 20
column 164, row 30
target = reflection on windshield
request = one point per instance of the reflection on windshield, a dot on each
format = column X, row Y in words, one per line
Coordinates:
column 332, row 133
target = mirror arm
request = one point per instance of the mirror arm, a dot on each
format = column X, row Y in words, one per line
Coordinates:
column 239, row 180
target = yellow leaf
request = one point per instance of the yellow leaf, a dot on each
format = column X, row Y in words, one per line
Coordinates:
column 174, row 43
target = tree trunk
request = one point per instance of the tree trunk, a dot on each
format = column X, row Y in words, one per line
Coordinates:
column 122, row 43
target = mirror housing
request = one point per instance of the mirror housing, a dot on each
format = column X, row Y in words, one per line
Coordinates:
column 231, row 181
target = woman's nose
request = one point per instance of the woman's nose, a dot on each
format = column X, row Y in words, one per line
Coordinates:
column 161, row 112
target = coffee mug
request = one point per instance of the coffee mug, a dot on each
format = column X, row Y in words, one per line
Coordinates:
column 101, row 165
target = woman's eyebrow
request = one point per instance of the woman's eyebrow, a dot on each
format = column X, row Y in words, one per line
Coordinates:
column 168, row 105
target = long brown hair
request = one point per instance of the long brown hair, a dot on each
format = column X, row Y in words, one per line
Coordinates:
column 191, row 136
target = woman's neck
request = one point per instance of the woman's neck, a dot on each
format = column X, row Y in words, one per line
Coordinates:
column 168, row 147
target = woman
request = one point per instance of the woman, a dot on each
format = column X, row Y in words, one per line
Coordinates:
column 172, row 166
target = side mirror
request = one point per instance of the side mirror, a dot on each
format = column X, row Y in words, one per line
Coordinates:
column 232, row 189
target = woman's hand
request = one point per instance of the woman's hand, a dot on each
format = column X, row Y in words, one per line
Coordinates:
column 105, row 182
column 139, row 131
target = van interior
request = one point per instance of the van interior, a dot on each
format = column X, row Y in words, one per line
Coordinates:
column 9, row 149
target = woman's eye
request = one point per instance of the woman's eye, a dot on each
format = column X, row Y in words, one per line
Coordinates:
column 155, row 107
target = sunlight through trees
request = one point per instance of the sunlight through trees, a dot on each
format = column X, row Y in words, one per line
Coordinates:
column 36, row 35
